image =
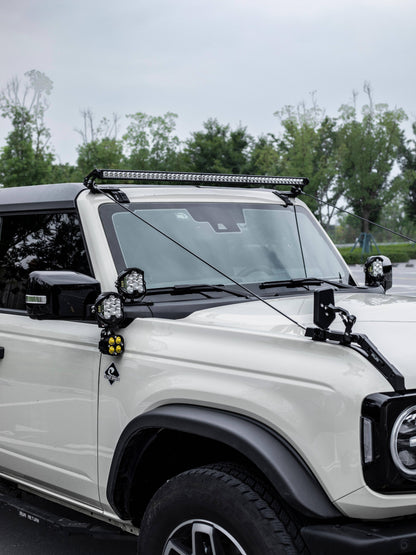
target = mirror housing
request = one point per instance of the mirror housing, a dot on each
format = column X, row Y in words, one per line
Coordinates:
column 61, row 294
column 378, row 271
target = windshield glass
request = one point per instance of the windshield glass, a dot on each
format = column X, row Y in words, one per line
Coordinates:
column 251, row 243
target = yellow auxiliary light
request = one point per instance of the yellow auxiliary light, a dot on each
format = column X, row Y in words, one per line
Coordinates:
column 111, row 344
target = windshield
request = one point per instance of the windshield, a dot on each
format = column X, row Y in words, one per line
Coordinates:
column 251, row 243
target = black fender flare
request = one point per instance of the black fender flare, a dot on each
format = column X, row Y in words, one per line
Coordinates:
column 271, row 454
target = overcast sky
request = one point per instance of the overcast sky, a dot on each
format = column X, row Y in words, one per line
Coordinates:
column 236, row 60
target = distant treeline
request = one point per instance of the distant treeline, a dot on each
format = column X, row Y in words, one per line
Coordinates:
column 360, row 159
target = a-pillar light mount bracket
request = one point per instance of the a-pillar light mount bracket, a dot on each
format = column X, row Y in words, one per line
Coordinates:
column 114, row 192
column 324, row 314
column 89, row 181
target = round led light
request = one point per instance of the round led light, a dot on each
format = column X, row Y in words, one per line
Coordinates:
column 403, row 442
column 130, row 283
column 109, row 309
column 376, row 268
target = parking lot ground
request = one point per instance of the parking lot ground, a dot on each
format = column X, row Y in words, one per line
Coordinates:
column 41, row 528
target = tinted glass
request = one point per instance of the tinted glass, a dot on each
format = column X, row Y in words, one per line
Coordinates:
column 250, row 243
column 37, row 242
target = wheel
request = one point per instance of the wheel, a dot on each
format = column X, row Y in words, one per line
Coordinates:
column 216, row 510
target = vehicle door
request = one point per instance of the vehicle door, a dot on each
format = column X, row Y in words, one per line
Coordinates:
column 49, row 371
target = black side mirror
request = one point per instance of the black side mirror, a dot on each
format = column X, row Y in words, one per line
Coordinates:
column 323, row 307
column 61, row 294
column 378, row 271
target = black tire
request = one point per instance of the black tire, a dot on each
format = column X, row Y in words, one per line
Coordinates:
column 222, row 506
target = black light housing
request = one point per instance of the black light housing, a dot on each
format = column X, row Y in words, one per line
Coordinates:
column 131, row 284
column 109, row 309
column 195, row 178
column 378, row 271
column 111, row 343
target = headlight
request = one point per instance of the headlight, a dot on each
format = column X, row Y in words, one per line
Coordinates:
column 130, row 283
column 403, row 442
column 108, row 309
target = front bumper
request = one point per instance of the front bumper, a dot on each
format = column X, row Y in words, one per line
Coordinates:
column 377, row 537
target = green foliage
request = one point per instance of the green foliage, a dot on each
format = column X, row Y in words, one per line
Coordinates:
column 20, row 163
column 308, row 147
column 355, row 257
column 100, row 153
column 100, row 147
column 151, row 143
column 264, row 159
column 66, row 173
column 368, row 149
column 400, row 252
column 348, row 160
column 218, row 149
column 407, row 179
column 26, row 157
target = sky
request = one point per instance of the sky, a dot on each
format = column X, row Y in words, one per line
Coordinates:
column 239, row 61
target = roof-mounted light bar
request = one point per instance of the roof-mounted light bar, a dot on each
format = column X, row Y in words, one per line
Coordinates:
column 297, row 183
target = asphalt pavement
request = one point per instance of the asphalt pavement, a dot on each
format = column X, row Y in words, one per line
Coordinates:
column 22, row 533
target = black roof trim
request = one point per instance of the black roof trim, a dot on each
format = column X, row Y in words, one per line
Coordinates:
column 60, row 196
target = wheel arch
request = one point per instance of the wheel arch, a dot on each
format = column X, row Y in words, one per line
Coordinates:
column 149, row 452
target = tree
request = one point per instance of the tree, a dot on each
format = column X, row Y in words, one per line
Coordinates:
column 100, row 147
column 263, row 158
column 408, row 175
column 368, row 150
column 218, row 149
column 26, row 158
column 308, row 147
column 150, row 142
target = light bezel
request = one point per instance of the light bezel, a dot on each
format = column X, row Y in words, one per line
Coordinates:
column 122, row 291
column 113, row 321
column 393, row 442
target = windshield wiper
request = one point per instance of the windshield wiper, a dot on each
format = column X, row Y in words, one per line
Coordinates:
column 197, row 288
column 302, row 282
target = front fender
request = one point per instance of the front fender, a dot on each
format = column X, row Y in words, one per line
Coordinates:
column 276, row 460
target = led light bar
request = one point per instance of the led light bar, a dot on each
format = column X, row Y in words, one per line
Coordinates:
column 195, row 178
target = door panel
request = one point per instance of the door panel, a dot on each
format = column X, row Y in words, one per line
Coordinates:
column 48, row 403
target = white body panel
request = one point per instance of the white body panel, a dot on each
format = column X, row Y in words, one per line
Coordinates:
column 48, row 404
column 248, row 360
column 60, row 419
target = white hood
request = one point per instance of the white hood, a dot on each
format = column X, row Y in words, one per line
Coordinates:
column 388, row 321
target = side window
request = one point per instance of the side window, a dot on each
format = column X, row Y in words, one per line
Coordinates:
column 37, row 242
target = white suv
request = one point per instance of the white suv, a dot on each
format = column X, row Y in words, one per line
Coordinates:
column 212, row 407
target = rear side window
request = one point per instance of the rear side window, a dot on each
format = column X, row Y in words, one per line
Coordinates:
column 37, row 242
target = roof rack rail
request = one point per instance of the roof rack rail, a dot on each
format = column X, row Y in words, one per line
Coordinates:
column 192, row 178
